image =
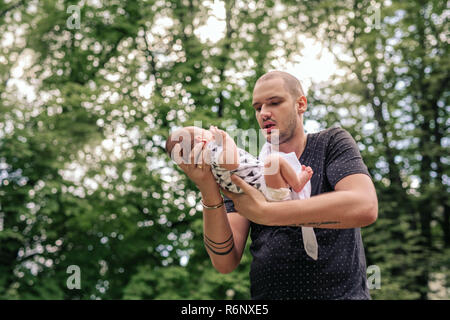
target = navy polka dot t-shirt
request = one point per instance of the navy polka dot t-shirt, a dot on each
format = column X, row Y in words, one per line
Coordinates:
column 281, row 269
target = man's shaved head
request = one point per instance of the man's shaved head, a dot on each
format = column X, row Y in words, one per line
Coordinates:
column 291, row 83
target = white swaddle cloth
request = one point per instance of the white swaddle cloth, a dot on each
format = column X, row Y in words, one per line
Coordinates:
column 309, row 237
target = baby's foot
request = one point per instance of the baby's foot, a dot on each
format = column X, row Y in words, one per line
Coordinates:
column 304, row 177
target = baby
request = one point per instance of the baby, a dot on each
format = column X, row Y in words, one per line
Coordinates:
column 274, row 177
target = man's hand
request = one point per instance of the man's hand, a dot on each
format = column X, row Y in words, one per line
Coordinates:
column 251, row 204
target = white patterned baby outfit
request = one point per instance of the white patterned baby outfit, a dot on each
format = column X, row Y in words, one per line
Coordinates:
column 250, row 169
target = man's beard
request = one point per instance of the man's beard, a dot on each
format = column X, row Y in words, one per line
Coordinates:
column 287, row 134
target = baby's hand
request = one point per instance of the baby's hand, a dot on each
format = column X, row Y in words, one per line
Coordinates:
column 219, row 135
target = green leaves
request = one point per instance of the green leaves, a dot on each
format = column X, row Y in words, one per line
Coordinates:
column 84, row 179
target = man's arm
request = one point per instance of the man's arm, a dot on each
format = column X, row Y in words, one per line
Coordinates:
column 353, row 204
column 225, row 234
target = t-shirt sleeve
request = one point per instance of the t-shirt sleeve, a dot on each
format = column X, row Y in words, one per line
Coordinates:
column 343, row 157
column 229, row 204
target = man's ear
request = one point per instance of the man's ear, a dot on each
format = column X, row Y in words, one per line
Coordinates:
column 301, row 104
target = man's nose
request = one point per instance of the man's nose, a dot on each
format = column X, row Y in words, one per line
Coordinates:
column 265, row 113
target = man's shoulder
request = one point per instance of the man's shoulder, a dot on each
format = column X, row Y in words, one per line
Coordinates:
column 331, row 131
column 328, row 134
column 331, row 138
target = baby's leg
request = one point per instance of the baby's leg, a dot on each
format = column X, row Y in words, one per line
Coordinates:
column 283, row 175
column 272, row 172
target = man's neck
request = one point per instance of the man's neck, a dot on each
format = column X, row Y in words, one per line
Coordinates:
column 296, row 144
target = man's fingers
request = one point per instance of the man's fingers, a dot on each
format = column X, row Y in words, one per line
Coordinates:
column 229, row 194
column 206, row 156
column 176, row 154
column 196, row 152
column 241, row 183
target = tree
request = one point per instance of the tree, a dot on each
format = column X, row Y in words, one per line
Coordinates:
column 84, row 178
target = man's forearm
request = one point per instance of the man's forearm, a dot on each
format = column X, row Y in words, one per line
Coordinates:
column 336, row 210
column 218, row 235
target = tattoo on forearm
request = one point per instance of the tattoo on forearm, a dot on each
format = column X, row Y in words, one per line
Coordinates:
column 314, row 224
column 212, row 245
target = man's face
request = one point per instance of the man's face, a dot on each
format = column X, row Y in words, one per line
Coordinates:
column 275, row 109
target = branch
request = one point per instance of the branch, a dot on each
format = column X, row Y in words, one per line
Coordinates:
column 14, row 6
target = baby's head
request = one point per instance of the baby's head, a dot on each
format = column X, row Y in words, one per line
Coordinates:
column 188, row 137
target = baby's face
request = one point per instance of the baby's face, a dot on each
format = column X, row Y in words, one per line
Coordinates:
column 201, row 135
column 186, row 138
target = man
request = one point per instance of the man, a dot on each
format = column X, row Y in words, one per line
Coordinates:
column 343, row 199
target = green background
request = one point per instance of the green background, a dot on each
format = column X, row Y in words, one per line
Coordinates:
column 83, row 176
